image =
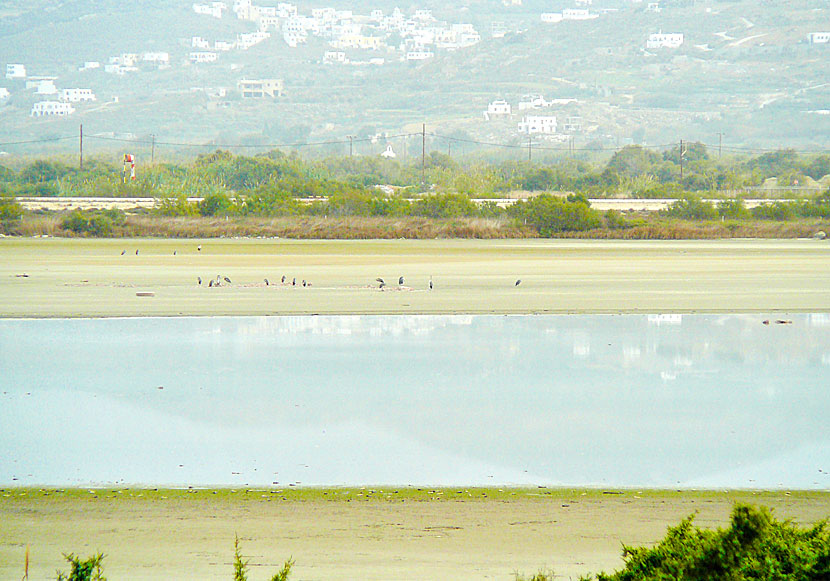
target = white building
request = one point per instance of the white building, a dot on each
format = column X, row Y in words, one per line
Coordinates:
column 653, row 7
column 76, row 95
column 4, row 93
column 535, row 124
column 497, row 108
column 215, row 9
column 90, row 65
column 286, row 10
column 419, row 55
column 246, row 40
column 224, row 45
column 573, row 125
column 389, row 153
column 551, row 17
column 532, row 102
column 578, row 14
column 815, row 38
column 200, row 43
column 15, row 71
column 661, row 40
column 260, row 88
column 204, row 57
column 156, row 58
column 334, row 56
column 51, row 108
column 42, row 85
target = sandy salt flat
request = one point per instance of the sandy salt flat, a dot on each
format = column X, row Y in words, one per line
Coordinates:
column 406, row 535
column 92, row 278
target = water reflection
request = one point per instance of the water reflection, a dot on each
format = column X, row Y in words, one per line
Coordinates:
column 651, row 400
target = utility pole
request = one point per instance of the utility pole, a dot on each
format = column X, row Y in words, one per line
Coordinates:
column 529, row 147
column 720, row 142
column 681, row 160
column 423, row 154
column 449, row 147
column 152, row 148
column 81, row 148
column 351, row 144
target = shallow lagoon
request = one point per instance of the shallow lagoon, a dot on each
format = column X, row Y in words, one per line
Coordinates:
column 627, row 400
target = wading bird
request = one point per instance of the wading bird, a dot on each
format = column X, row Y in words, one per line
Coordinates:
column 227, row 280
column 430, row 283
column 282, row 280
column 518, row 282
column 199, row 278
column 199, row 248
column 123, row 252
column 304, row 283
column 380, row 280
column 266, row 282
column 400, row 281
column 293, row 282
column 136, row 251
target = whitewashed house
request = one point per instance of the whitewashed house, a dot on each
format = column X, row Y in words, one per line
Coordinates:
column 497, row 109
column 15, row 71
column 286, row 10
column 815, row 38
column 51, row 108
column 578, row 14
column 203, row 57
column 224, row 45
column 419, row 55
column 532, row 102
column 335, row 57
column 538, row 124
column 653, row 7
column 389, row 153
column 246, row 40
column 200, row 43
column 42, row 85
column 661, row 40
column 260, row 88
column 76, row 95
column 551, row 17
column 156, row 58
column 4, row 93
column 90, row 65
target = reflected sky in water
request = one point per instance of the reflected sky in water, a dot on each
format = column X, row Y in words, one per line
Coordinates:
column 627, row 400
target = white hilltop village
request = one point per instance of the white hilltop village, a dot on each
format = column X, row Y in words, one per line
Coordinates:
column 376, row 38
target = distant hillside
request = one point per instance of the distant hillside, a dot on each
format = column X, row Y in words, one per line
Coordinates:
column 746, row 74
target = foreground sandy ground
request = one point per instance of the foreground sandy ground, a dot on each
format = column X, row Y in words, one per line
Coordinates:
column 357, row 534
column 92, row 278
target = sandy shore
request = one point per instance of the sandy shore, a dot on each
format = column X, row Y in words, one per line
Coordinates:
column 76, row 278
column 357, row 534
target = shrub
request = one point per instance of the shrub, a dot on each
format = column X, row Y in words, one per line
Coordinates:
column 550, row 215
column 216, row 204
column 733, row 209
column 755, row 546
column 240, row 566
column 444, row 206
column 93, row 222
column 10, row 210
column 691, row 208
column 776, row 211
column 88, row 570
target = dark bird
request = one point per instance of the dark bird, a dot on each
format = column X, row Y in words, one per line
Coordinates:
column 210, row 283
column 380, row 280
column 518, row 282
column 304, row 283
column 123, row 252
column 227, row 280
column 282, row 280
column 199, row 248
column 266, row 282
column 136, row 251
column 382, row 284
column 199, row 278
column 293, row 282
column 430, row 283
column 400, row 281
column 174, row 253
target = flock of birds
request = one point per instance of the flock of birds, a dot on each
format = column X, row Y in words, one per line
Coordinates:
column 218, row 281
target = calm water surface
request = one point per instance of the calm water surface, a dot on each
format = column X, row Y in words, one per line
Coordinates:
column 651, row 400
